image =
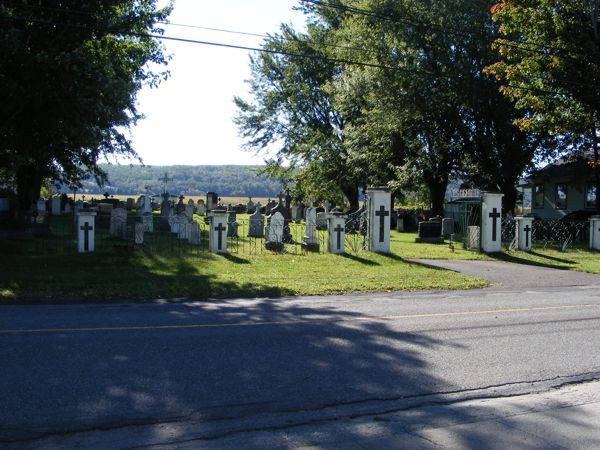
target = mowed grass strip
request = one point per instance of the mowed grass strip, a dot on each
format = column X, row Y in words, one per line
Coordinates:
column 141, row 275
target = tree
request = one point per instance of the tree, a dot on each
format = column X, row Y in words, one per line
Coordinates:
column 68, row 82
column 550, row 67
column 292, row 109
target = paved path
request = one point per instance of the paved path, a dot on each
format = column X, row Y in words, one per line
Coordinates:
column 512, row 275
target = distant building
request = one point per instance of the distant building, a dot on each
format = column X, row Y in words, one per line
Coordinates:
column 562, row 187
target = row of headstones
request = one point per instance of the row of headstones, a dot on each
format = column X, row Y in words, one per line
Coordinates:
column 186, row 228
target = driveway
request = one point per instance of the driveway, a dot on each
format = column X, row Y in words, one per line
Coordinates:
column 513, row 275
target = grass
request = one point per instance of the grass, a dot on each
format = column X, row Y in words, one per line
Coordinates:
column 135, row 274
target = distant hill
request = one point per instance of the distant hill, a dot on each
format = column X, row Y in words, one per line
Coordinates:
column 227, row 181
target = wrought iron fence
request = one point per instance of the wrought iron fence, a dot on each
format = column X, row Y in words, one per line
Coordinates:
column 58, row 235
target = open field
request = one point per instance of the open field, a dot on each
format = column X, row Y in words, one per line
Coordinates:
column 225, row 200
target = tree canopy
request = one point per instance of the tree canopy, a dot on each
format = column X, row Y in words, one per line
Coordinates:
column 69, row 77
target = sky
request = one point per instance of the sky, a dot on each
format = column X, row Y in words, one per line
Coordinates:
column 189, row 117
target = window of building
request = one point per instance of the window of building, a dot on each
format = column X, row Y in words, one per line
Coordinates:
column 561, row 196
column 538, row 196
column 590, row 196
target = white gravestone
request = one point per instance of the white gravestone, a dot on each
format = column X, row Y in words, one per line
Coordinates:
column 148, row 221
column 194, row 233
column 118, row 223
column 217, row 236
column 139, row 233
column 190, row 209
column 336, row 226
column 474, row 238
column 201, row 208
column 379, row 219
column 595, row 232
column 310, row 233
column 524, row 227
column 275, row 229
column 56, row 206
column 491, row 222
column 86, row 230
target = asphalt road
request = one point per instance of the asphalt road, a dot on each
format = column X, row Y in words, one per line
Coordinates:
column 237, row 365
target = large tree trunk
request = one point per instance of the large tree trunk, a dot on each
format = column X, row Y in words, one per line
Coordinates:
column 437, row 190
column 29, row 184
column 351, row 193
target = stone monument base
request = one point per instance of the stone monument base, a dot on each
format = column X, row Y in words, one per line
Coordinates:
column 308, row 247
column 275, row 246
column 429, row 240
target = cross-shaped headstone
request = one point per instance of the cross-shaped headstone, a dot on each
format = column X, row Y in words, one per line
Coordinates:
column 382, row 213
column 280, row 196
column 86, row 228
column 219, row 229
column 339, row 230
column 494, row 215
column 527, row 230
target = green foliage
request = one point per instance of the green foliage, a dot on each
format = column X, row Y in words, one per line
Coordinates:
column 550, row 64
column 68, row 82
column 227, row 180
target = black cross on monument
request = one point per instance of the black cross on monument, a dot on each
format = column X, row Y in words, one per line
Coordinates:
column 219, row 229
column 86, row 235
column 382, row 213
column 339, row 230
column 494, row 215
column 527, row 230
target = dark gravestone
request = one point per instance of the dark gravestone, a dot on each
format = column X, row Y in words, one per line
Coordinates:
column 430, row 232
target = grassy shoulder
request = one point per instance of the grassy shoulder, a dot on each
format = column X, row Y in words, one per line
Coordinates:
column 137, row 274
column 140, row 275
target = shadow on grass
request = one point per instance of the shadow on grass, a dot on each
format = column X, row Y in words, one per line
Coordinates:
column 392, row 256
column 234, row 259
column 502, row 256
column 552, row 258
column 366, row 262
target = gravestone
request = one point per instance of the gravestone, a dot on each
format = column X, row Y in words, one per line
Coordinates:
column 165, row 206
column 217, row 236
column 474, row 238
column 212, row 201
column 321, row 220
column 491, row 222
column 250, row 207
column 180, row 206
column 148, row 221
column 130, row 203
column 447, row 227
column 232, row 224
column 139, row 233
column 378, row 232
column 310, row 240
column 336, row 228
column 118, row 223
column 430, row 232
column 595, row 232
column 190, row 209
column 194, row 234
column 86, row 230
column 41, row 206
column 55, row 206
column 184, row 228
column 256, row 225
column 524, row 227
column 201, row 208
column 296, row 213
column 68, row 208
column 274, row 233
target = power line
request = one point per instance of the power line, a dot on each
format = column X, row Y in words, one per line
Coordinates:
column 278, row 52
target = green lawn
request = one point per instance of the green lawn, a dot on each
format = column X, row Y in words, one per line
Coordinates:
column 135, row 274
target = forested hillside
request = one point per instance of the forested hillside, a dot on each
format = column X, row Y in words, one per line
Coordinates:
column 230, row 181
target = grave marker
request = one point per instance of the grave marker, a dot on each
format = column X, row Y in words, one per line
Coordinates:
column 310, row 235
column 524, row 227
column 595, row 232
column 491, row 225
column 337, row 231
column 217, row 241
column 86, row 230
column 379, row 219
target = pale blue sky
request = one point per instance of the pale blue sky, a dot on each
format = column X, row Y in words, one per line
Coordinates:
column 189, row 116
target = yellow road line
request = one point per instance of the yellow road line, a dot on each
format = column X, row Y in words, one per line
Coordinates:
column 300, row 321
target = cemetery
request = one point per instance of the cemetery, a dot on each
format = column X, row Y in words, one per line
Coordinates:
column 172, row 246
